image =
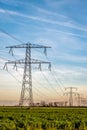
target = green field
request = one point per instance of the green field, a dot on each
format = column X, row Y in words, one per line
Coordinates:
column 16, row 118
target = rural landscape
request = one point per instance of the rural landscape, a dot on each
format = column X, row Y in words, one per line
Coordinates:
column 43, row 65
column 43, row 118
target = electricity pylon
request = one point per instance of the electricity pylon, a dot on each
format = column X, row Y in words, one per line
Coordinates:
column 70, row 93
column 79, row 99
column 26, row 92
column 83, row 101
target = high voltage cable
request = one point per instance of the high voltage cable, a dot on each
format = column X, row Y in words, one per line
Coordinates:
column 40, row 92
column 56, row 79
column 54, row 76
column 20, row 81
column 54, row 72
column 9, row 72
column 34, row 80
column 6, row 60
column 3, row 51
column 39, row 96
column 13, row 37
column 44, row 86
column 3, row 58
column 14, row 77
column 49, row 83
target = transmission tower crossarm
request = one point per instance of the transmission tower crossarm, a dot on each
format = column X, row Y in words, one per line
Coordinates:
column 39, row 61
column 22, row 61
column 70, row 88
column 66, row 93
column 28, row 45
column 69, row 93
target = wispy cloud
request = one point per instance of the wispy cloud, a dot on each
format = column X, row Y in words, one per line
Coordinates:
column 2, row 34
column 74, row 58
column 71, row 71
column 65, row 32
column 9, row 12
column 2, row 11
column 11, row 2
column 47, row 12
column 69, row 75
column 63, row 23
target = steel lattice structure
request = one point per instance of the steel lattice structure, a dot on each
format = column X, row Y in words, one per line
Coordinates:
column 70, row 93
column 26, row 91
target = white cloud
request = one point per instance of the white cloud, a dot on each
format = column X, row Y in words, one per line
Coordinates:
column 2, row 34
column 78, row 71
column 62, row 23
column 72, row 76
column 74, row 58
column 47, row 12
column 65, row 32
column 2, row 11
column 11, row 2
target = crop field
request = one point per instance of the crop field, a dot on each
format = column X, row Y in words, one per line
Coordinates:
column 43, row 118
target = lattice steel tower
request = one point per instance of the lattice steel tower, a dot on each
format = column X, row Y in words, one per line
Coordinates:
column 70, row 93
column 26, row 92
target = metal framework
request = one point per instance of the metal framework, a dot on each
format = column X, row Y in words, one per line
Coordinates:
column 79, row 99
column 70, row 93
column 83, row 101
column 26, row 92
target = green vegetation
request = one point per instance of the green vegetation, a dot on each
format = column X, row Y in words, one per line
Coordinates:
column 16, row 118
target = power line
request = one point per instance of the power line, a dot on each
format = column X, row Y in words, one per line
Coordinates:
column 57, row 80
column 49, row 83
column 13, row 37
column 3, row 58
column 20, row 83
column 44, row 87
column 14, row 77
column 54, row 76
column 40, row 92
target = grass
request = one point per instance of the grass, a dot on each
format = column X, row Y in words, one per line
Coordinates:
column 43, row 118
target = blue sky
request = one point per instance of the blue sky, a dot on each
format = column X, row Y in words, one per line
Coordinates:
column 61, row 24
